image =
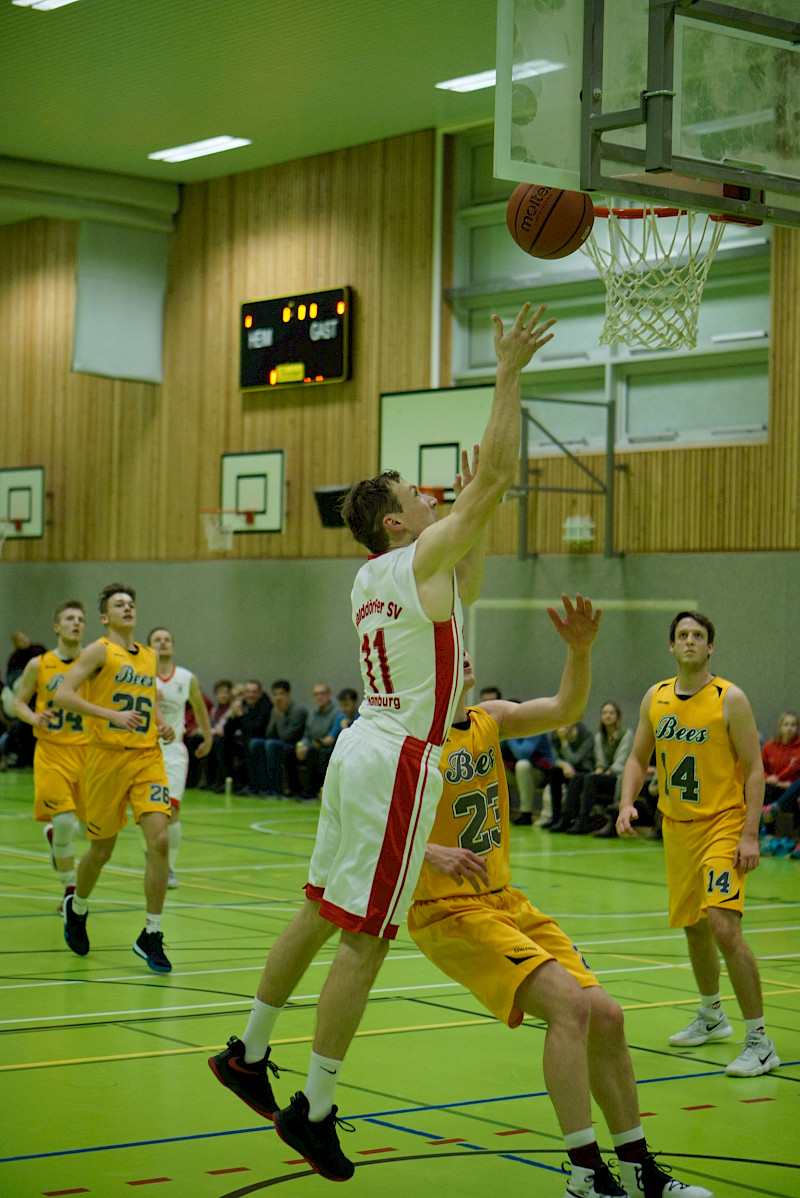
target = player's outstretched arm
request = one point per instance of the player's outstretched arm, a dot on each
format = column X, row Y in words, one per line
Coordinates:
column 635, row 769
column 578, row 628
column 445, row 543
column 742, row 729
column 92, row 659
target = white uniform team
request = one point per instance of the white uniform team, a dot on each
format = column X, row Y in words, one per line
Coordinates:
column 383, row 782
column 173, row 695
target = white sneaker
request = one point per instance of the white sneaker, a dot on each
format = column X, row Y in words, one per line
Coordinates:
column 757, row 1056
column 702, row 1028
column 172, row 881
column 647, row 1179
column 593, row 1183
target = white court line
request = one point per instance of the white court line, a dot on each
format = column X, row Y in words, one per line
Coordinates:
column 662, row 914
column 678, row 935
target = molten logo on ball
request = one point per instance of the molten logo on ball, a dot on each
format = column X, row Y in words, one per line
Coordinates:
column 547, row 222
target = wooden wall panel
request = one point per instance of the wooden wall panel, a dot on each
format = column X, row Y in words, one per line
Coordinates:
column 129, row 464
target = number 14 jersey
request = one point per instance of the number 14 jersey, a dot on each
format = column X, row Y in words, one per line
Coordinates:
column 411, row 667
column 699, row 774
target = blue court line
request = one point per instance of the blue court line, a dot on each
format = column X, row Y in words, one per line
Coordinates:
column 373, row 1115
column 503, row 1156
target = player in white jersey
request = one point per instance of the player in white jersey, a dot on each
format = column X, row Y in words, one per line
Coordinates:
column 383, row 783
column 176, row 687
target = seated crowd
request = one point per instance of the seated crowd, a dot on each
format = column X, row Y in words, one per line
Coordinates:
column 269, row 746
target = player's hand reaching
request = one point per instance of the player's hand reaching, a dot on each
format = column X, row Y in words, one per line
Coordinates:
column 458, row 864
column 166, row 733
column 627, row 814
column 516, row 347
column 129, row 721
column 467, row 473
column 579, row 626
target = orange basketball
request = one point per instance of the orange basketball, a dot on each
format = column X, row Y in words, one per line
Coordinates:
column 548, row 222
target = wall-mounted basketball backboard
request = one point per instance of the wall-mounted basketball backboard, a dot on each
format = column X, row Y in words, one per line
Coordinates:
column 694, row 103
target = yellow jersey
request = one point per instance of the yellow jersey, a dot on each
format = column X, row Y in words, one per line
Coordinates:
column 127, row 682
column 67, row 728
column 473, row 810
column 699, row 774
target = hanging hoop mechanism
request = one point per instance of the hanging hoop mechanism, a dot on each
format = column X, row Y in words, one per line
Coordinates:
column 654, row 273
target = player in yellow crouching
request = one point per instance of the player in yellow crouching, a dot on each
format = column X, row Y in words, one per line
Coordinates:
column 124, row 766
column 61, row 740
column 515, row 959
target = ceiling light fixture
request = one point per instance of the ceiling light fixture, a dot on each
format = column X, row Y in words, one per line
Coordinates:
column 42, row 5
column 197, row 149
column 521, row 70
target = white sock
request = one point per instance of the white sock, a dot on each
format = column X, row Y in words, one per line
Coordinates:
column 152, row 923
column 174, row 833
column 258, row 1032
column 67, row 877
column 627, row 1137
column 755, row 1025
column 712, row 1003
column 579, row 1139
column 323, row 1073
column 79, row 905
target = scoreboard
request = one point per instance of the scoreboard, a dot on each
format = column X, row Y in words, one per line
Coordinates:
column 296, row 340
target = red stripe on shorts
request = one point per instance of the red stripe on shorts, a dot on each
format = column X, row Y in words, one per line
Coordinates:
column 401, row 828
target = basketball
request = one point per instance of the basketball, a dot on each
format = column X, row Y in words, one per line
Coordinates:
column 548, row 222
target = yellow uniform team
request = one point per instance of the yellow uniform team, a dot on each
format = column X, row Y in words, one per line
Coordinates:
column 60, row 758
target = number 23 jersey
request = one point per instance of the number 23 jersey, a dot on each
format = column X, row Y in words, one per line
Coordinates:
column 699, row 774
column 473, row 810
column 126, row 682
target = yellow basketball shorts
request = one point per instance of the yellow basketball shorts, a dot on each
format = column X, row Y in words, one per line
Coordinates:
column 490, row 943
column 699, row 859
column 116, row 778
column 58, row 780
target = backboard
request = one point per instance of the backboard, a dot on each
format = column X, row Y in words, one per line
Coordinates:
column 693, row 103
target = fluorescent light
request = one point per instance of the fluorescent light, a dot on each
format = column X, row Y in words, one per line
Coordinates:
column 196, row 149
column 42, row 5
column 521, row 70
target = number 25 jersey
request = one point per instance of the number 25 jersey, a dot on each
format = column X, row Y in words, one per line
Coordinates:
column 411, row 667
column 699, row 774
column 127, row 682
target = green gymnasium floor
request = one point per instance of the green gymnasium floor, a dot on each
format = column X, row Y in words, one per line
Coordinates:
column 106, row 1090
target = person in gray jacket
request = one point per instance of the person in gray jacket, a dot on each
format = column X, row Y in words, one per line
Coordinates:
column 269, row 756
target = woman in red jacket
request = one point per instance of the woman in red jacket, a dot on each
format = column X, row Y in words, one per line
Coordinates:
column 781, row 758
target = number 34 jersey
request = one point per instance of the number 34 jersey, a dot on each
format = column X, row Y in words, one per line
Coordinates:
column 473, row 810
column 127, row 682
column 411, row 667
column 65, row 727
column 699, row 774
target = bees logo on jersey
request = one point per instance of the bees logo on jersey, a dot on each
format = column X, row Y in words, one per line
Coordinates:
column 463, row 767
column 670, row 729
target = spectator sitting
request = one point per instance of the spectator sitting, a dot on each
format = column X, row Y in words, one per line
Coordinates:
column 533, row 763
column 248, row 719
column 781, row 758
column 612, row 746
column 348, row 711
column 17, row 742
column 268, row 753
column 313, row 750
column 574, row 754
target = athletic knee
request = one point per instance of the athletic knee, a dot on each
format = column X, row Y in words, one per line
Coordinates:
column 727, row 931
column 606, row 1017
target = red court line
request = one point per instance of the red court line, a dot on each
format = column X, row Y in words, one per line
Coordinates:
column 57, row 1193
column 756, row 1100
column 706, row 1106
column 148, row 1181
column 219, row 1172
column 518, row 1131
column 647, row 1114
column 372, row 1151
column 438, row 1143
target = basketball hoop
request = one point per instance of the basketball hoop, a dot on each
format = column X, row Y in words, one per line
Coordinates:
column 654, row 272
column 5, row 529
column 219, row 531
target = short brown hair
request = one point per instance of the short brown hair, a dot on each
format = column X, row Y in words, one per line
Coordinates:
column 114, row 588
column 69, row 603
column 366, row 504
column 698, row 618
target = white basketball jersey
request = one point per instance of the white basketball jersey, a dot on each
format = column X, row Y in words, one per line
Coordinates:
column 173, row 695
column 411, row 667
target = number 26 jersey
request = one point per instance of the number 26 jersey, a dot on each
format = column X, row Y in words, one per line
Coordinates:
column 699, row 774
column 127, row 682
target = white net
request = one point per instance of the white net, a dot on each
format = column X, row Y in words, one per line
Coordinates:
column 219, row 538
column 654, row 269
